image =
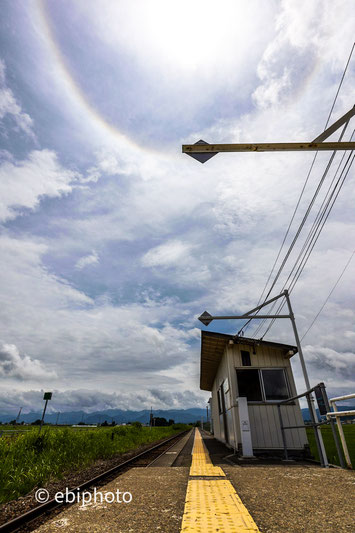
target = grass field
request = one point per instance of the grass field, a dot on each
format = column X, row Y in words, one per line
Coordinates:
column 349, row 432
column 29, row 459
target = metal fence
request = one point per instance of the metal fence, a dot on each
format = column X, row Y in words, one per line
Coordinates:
column 324, row 409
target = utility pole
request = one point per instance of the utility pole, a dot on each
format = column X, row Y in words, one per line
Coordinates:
column 151, row 417
column 319, row 438
column 18, row 416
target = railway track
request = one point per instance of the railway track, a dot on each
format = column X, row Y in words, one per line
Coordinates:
column 32, row 518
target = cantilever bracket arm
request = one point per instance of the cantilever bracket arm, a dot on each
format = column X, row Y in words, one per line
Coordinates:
column 202, row 151
column 326, row 133
column 206, row 318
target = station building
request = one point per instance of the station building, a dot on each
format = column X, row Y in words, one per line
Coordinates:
column 247, row 378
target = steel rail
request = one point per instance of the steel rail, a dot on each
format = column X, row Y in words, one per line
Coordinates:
column 36, row 512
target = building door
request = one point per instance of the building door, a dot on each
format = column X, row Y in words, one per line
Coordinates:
column 224, row 412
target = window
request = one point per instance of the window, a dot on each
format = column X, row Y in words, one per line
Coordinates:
column 249, row 385
column 262, row 385
column 245, row 358
column 275, row 385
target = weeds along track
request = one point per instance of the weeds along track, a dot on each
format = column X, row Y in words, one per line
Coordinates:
column 37, row 514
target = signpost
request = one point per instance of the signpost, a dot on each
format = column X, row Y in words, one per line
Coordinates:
column 47, row 396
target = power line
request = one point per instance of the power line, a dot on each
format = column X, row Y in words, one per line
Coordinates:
column 329, row 295
column 309, row 173
column 245, row 326
column 325, row 173
column 322, row 220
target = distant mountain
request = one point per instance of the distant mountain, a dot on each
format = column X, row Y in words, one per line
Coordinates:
column 122, row 417
column 307, row 416
column 118, row 415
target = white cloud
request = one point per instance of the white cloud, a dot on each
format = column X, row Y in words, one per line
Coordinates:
column 91, row 259
column 10, row 106
column 95, row 400
column 168, row 254
column 86, row 340
column 23, row 183
column 21, row 367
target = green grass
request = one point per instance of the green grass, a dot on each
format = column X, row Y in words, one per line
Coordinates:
column 349, row 433
column 30, row 460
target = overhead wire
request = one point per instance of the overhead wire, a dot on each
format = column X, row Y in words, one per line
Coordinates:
column 317, row 231
column 245, row 326
column 315, row 226
column 307, row 178
column 325, row 173
column 329, row 295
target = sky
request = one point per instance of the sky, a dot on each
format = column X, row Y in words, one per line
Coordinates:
column 113, row 242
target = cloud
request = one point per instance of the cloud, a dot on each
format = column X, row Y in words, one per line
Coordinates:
column 86, row 339
column 21, row 367
column 10, row 106
column 91, row 259
column 96, row 400
column 304, row 32
column 167, row 254
column 24, row 183
column 327, row 359
column 169, row 237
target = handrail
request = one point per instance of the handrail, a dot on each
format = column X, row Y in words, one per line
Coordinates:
column 337, row 414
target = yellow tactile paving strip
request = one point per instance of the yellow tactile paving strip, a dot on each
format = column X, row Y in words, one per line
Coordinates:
column 201, row 463
column 212, row 504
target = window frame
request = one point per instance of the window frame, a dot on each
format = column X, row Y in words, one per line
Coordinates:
column 261, row 383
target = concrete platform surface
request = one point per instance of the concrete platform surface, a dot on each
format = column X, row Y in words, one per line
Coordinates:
column 301, row 499
column 170, row 456
column 158, row 499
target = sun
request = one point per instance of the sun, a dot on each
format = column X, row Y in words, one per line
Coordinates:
column 184, row 35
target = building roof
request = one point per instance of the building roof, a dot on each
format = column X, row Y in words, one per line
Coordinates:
column 212, row 349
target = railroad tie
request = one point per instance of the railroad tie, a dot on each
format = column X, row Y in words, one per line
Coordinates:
column 211, row 503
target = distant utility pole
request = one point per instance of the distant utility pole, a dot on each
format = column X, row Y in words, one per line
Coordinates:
column 151, row 418
column 203, row 151
column 56, row 422
column 18, row 416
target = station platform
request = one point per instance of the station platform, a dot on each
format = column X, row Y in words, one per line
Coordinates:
column 198, row 489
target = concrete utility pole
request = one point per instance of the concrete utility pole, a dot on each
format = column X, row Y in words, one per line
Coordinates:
column 18, row 416
column 203, row 151
column 151, row 418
